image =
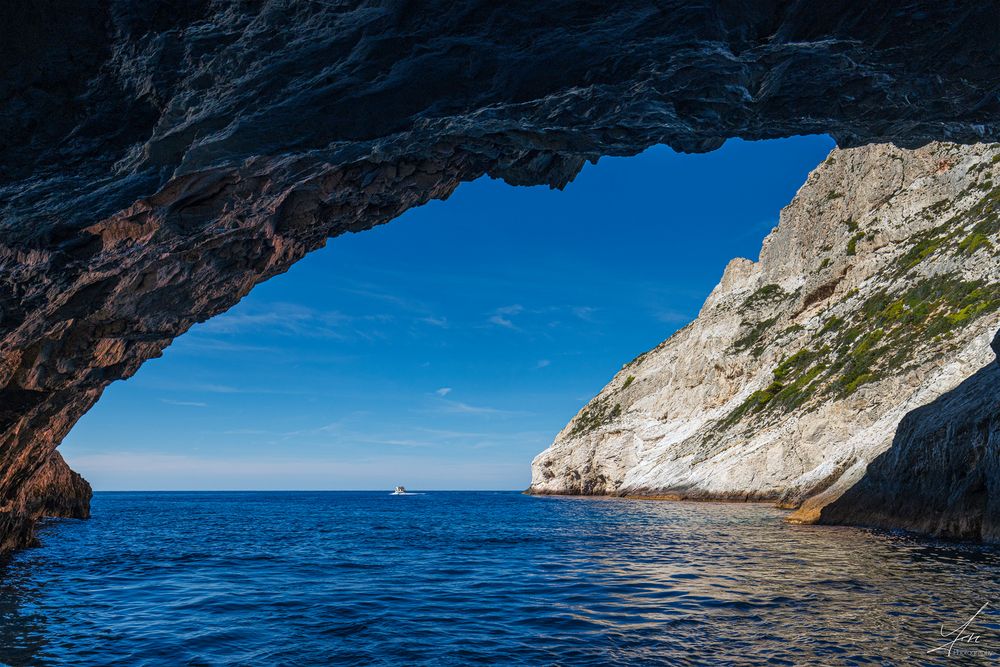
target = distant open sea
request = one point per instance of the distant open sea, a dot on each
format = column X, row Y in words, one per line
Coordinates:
column 458, row 578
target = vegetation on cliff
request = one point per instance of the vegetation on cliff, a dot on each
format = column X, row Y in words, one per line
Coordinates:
column 886, row 332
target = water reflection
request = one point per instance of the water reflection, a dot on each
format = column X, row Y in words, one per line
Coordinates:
column 22, row 622
column 454, row 578
column 733, row 580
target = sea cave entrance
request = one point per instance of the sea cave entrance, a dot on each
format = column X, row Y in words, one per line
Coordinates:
column 446, row 349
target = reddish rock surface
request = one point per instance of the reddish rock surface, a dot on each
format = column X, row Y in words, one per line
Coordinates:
column 53, row 491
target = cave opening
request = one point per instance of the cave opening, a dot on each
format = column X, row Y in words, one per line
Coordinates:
column 446, row 348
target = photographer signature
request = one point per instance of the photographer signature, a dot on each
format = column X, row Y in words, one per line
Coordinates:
column 961, row 635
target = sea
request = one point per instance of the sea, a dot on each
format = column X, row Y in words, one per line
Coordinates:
column 485, row 578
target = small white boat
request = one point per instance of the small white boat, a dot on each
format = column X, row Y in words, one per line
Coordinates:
column 399, row 491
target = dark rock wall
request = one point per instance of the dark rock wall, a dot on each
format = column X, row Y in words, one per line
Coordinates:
column 54, row 491
column 158, row 159
column 942, row 474
column 105, row 102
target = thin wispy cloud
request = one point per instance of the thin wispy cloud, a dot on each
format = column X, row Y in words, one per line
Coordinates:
column 466, row 409
column 187, row 388
column 282, row 318
column 211, row 388
column 395, row 442
column 446, row 434
column 443, row 391
column 193, row 342
column 279, row 436
column 460, row 407
column 501, row 317
column 517, row 317
column 502, row 321
column 413, row 310
column 217, row 388
column 673, row 317
column 337, row 434
column 299, row 321
column 293, row 320
column 543, row 363
column 401, row 302
column 189, row 404
column 487, row 439
column 331, row 427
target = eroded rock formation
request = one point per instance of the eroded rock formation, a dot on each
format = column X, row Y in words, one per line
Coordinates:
column 157, row 160
column 52, row 491
column 878, row 292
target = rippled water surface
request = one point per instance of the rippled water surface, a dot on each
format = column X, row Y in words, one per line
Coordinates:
column 481, row 578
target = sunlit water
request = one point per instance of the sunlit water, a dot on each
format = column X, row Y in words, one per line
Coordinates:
column 481, row 578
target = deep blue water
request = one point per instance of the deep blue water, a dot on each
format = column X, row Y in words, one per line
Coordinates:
column 455, row 578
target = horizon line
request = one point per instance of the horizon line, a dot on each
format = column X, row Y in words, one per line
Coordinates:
column 280, row 490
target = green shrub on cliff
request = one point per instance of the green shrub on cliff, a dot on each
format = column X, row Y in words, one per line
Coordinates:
column 765, row 294
column 598, row 413
column 878, row 340
column 852, row 245
column 973, row 242
column 753, row 336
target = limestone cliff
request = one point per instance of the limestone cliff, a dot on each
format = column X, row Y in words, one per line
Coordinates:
column 877, row 293
column 158, row 160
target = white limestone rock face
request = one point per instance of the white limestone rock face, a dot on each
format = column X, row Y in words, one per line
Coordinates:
column 876, row 293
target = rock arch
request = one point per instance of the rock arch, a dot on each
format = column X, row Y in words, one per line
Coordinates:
column 158, row 161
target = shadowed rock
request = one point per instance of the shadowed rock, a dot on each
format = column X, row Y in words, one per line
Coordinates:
column 942, row 474
column 54, row 491
column 158, row 160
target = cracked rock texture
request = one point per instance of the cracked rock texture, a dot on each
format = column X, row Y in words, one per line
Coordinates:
column 877, row 293
column 158, row 159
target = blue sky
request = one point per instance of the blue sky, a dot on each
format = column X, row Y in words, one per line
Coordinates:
column 447, row 348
